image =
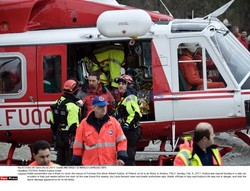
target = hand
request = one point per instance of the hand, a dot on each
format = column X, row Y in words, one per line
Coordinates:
column 120, row 162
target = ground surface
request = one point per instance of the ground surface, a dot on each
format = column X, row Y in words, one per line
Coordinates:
column 240, row 156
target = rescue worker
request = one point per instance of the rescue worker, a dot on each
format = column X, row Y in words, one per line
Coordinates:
column 96, row 88
column 191, row 73
column 41, row 154
column 201, row 151
column 99, row 138
column 110, row 58
column 64, row 120
column 92, row 66
column 128, row 114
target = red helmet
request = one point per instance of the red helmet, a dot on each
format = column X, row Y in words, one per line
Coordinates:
column 126, row 78
column 70, row 86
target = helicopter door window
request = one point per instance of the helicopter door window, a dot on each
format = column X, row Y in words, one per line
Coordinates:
column 52, row 74
column 10, row 75
column 192, row 71
column 147, row 65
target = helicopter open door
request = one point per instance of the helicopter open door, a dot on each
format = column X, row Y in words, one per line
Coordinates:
column 206, row 101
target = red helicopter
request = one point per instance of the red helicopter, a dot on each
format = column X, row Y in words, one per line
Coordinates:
column 43, row 43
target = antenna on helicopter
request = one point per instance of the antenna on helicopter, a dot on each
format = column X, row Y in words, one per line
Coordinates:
column 166, row 8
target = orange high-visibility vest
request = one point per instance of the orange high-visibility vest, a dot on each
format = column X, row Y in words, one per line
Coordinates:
column 99, row 148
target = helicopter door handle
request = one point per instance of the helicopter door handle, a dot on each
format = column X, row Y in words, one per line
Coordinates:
column 31, row 99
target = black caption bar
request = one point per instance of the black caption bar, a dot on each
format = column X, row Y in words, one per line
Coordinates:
column 8, row 178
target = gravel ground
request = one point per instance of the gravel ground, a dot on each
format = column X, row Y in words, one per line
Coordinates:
column 240, row 156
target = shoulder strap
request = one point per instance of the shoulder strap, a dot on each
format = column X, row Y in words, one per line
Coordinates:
column 64, row 102
column 215, row 156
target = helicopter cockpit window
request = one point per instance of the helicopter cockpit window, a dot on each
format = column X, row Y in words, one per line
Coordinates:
column 192, row 70
column 10, row 75
column 235, row 55
column 52, row 74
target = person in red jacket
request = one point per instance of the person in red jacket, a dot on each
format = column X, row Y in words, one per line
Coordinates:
column 41, row 154
column 236, row 31
column 99, row 138
column 96, row 88
column 190, row 72
column 243, row 38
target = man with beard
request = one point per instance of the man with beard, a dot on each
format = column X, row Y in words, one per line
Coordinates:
column 96, row 88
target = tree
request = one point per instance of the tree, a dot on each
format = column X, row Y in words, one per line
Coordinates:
column 238, row 14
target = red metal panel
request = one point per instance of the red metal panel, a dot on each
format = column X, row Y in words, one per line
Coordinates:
column 27, row 136
column 29, row 53
column 44, row 14
column 160, row 82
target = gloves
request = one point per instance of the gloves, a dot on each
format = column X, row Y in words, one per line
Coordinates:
column 76, row 160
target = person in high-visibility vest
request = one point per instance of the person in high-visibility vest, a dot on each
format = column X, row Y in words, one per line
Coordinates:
column 64, row 119
column 129, row 115
column 110, row 59
column 99, row 138
column 200, row 151
column 92, row 66
column 41, row 154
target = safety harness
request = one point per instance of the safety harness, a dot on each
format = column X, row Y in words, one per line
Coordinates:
column 60, row 113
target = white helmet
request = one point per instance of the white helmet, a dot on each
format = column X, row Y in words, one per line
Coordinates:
column 192, row 47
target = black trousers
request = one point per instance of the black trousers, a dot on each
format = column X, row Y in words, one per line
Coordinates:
column 133, row 136
column 64, row 152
